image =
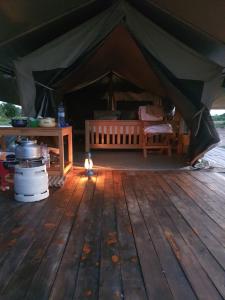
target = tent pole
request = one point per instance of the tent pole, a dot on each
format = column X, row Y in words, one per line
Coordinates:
column 111, row 96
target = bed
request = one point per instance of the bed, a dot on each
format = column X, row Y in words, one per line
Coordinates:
column 128, row 134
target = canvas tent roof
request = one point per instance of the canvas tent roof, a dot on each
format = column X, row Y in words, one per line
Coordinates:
column 119, row 54
column 185, row 51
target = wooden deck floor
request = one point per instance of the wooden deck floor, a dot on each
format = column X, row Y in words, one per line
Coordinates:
column 121, row 235
column 216, row 157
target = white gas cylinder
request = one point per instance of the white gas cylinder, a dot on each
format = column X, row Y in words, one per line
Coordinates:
column 30, row 184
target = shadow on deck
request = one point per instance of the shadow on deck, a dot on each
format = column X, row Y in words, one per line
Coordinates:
column 121, row 235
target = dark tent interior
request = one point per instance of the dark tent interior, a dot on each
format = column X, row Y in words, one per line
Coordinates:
column 96, row 55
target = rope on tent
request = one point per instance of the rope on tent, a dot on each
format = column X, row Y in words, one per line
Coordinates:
column 198, row 114
column 11, row 74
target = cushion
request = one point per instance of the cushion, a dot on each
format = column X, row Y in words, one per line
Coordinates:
column 145, row 116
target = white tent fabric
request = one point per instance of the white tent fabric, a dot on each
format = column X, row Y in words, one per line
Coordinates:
column 182, row 61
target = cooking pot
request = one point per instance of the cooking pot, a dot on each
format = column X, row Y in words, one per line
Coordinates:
column 47, row 122
column 19, row 122
column 27, row 149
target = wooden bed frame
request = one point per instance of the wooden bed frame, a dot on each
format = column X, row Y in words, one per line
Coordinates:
column 113, row 134
column 126, row 134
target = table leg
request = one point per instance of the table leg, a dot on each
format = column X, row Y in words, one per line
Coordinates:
column 70, row 148
column 2, row 143
column 61, row 154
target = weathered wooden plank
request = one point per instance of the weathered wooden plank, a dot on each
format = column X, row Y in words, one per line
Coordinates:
column 139, row 235
column 191, row 236
column 65, row 281
column 133, row 284
column 19, row 217
column 213, row 181
column 214, row 186
column 13, row 229
column 175, row 276
column 198, row 226
column 26, row 255
column 8, row 205
column 195, row 213
column 196, row 275
column 205, row 198
column 155, row 281
column 200, row 282
column 110, row 284
column 88, row 273
column 21, row 243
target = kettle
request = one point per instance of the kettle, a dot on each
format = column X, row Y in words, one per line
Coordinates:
column 27, row 149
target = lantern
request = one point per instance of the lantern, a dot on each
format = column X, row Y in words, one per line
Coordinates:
column 88, row 165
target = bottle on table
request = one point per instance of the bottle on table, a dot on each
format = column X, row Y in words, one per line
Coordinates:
column 61, row 115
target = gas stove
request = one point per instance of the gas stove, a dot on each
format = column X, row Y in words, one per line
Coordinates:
column 30, row 174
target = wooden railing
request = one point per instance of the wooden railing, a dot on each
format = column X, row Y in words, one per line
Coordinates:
column 113, row 134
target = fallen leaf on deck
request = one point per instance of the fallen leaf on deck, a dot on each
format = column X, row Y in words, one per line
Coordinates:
column 88, row 293
column 12, row 242
column 112, row 239
column 59, row 242
column 17, row 230
column 134, row 259
column 69, row 214
column 39, row 254
column 173, row 244
column 49, row 225
column 86, row 248
column 129, row 229
column 115, row 259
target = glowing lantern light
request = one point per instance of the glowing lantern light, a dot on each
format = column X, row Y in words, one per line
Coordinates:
column 88, row 165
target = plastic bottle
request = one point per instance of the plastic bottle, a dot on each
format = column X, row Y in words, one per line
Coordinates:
column 61, row 115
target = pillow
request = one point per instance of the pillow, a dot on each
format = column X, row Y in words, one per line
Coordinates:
column 145, row 116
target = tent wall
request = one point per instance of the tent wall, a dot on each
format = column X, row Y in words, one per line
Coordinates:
column 182, row 61
column 187, row 64
column 197, row 117
column 27, row 25
column 191, row 34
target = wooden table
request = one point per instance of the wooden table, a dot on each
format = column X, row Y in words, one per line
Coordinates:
column 60, row 133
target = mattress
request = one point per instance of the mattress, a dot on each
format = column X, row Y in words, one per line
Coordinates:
column 159, row 128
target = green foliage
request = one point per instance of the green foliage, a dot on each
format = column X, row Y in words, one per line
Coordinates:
column 9, row 110
column 219, row 124
column 219, row 117
column 219, row 121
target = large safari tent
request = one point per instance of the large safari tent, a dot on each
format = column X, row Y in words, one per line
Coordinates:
column 120, row 234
